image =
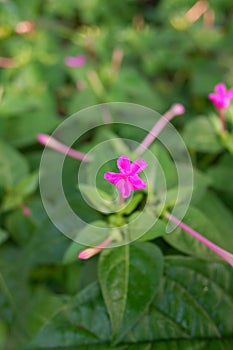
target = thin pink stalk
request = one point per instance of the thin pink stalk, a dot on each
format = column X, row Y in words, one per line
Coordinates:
column 175, row 109
column 89, row 252
column 228, row 257
column 50, row 142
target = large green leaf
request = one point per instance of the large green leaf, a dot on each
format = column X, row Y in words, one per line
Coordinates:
column 192, row 310
column 113, row 273
column 121, row 272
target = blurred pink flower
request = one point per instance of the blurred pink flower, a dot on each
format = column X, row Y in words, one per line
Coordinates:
column 75, row 61
column 127, row 180
column 89, row 252
column 25, row 210
column 221, row 98
column 24, row 27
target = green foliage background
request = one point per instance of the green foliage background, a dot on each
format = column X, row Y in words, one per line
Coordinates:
column 170, row 293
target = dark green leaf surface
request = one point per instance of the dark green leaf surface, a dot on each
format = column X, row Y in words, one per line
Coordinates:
column 113, row 271
column 192, row 310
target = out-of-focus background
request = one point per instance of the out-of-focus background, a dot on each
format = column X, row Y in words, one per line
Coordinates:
column 58, row 57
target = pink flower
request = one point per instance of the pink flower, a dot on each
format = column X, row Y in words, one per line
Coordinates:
column 127, row 180
column 76, row 61
column 221, row 98
column 89, row 252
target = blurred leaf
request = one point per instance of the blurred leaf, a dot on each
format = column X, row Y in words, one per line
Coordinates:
column 200, row 135
column 21, row 190
column 157, row 230
column 99, row 199
column 20, row 227
column 221, row 173
column 212, row 206
column 144, row 226
column 13, row 167
column 3, row 236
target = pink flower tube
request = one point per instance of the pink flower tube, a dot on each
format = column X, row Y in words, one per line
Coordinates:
column 175, row 109
column 228, row 257
column 50, row 142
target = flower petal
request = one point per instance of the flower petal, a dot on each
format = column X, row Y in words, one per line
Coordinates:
column 220, row 89
column 123, row 164
column 137, row 166
column 218, row 101
column 136, row 182
column 229, row 94
column 114, row 178
column 125, row 187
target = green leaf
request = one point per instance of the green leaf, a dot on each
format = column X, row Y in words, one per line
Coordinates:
column 220, row 216
column 113, row 271
column 132, row 205
column 192, row 310
column 138, row 228
column 3, row 236
column 157, row 230
column 84, row 321
column 22, row 189
column 187, row 244
column 13, row 167
column 194, row 301
column 20, row 227
column 120, row 274
column 168, row 166
column 200, row 135
column 220, row 174
column 99, row 199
